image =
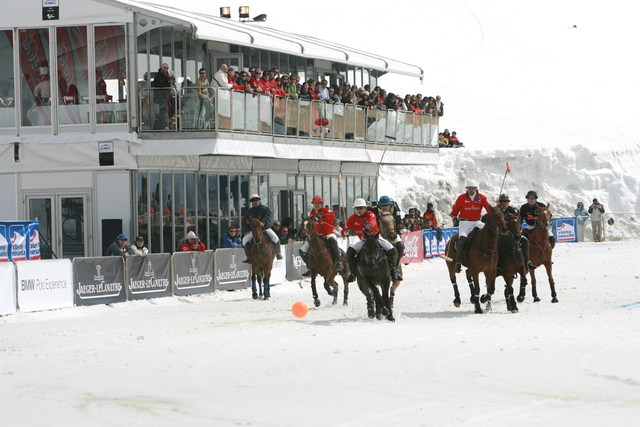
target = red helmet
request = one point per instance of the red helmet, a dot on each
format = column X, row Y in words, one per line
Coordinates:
column 317, row 199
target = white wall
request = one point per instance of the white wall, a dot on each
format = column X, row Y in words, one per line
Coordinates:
column 8, row 200
column 113, row 197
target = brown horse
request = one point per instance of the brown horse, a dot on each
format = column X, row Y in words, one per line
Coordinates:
column 482, row 257
column 540, row 252
column 320, row 261
column 262, row 254
column 510, row 261
column 388, row 232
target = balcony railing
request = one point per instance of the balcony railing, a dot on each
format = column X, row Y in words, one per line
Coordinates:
column 206, row 109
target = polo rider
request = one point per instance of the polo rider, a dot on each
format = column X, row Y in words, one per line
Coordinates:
column 528, row 214
column 263, row 213
column 323, row 219
column 386, row 204
column 503, row 204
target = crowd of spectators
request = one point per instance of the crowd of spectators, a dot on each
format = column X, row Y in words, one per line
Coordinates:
column 449, row 140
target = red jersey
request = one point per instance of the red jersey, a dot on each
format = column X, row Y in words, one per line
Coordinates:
column 255, row 84
column 470, row 209
column 357, row 223
column 186, row 247
column 324, row 223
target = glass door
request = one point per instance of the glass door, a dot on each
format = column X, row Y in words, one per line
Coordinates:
column 63, row 228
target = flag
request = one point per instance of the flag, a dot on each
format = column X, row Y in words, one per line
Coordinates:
column 508, row 168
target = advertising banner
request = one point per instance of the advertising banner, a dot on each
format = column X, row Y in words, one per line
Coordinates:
column 148, row 276
column 230, row 272
column 8, row 301
column 433, row 246
column 98, row 280
column 192, row 273
column 426, row 243
column 19, row 240
column 413, row 248
column 44, row 285
column 565, row 229
column 294, row 264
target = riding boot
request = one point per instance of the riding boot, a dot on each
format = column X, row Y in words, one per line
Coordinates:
column 524, row 243
column 351, row 259
column 400, row 248
column 392, row 256
column 335, row 251
column 247, row 252
column 278, row 249
column 460, row 245
column 552, row 240
column 305, row 258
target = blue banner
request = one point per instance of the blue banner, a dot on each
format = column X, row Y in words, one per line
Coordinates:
column 565, row 229
column 434, row 247
column 19, row 240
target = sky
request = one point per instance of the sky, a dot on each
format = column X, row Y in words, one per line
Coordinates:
column 565, row 70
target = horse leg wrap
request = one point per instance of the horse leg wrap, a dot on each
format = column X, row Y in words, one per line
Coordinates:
column 460, row 245
column 351, row 259
column 335, row 251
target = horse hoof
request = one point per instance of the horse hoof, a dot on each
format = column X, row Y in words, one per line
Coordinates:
column 514, row 310
column 390, row 318
column 520, row 298
column 536, row 299
column 484, row 298
column 379, row 316
column 478, row 310
column 254, row 295
column 554, row 299
column 316, row 302
column 345, row 303
column 266, row 297
column 371, row 315
column 456, row 302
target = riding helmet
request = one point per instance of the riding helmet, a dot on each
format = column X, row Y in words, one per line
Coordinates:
column 504, row 196
column 385, row 201
column 471, row 184
column 532, row 193
column 359, row 203
column 317, row 199
column 254, row 197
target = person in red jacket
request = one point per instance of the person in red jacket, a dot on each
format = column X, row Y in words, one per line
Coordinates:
column 192, row 243
column 323, row 218
column 364, row 222
column 467, row 210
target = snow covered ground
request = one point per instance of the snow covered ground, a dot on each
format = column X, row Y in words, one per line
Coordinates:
column 224, row 359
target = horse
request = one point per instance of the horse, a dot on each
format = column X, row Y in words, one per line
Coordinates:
column 482, row 257
column 388, row 232
column 540, row 252
column 320, row 261
column 262, row 255
column 510, row 261
column 373, row 271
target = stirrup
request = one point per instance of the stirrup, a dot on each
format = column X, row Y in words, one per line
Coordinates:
column 458, row 267
column 247, row 261
column 279, row 255
column 306, row 273
column 351, row 278
column 531, row 266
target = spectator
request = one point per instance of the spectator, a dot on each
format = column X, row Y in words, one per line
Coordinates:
column 442, row 140
column 305, row 92
column 284, row 236
column 162, row 95
column 221, row 78
column 138, row 247
column 453, row 140
column 254, row 81
column 192, row 244
column 231, row 239
column 596, row 210
column 276, row 226
column 205, row 96
column 323, row 92
column 430, row 222
column 439, row 106
column 293, row 87
column 101, row 88
column 581, row 218
column 118, row 247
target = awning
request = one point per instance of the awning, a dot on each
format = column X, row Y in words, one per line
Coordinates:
column 209, row 27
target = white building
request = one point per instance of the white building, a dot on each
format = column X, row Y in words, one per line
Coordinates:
column 91, row 148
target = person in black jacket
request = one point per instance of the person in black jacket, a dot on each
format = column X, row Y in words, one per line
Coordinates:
column 263, row 213
column 529, row 212
column 162, row 96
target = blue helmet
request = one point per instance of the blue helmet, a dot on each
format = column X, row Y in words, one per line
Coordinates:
column 385, row 201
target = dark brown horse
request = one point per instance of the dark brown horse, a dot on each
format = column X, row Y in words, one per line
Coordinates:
column 540, row 252
column 262, row 254
column 320, row 261
column 482, row 257
column 388, row 232
column 374, row 279
column 510, row 261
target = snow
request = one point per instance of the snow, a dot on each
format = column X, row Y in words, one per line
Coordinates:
column 224, row 359
column 521, row 85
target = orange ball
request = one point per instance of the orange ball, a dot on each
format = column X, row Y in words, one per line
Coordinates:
column 299, row 309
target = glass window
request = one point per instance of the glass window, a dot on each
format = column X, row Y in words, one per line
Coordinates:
column 35, row 83
column 214, row 213
column 326, row 190
column 167, row 215
column 73, row 87
column 143, row 205
column 111, row 74
column 155, row 212
column 7, row 96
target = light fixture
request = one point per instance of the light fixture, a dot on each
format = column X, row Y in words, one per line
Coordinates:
column 260, row 18
column 225, row 12
column 243, row 12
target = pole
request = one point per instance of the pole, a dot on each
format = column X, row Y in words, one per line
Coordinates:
column 503, row 179
column 386, row 144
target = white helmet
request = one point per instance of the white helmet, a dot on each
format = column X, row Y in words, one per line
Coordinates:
column 359, row 203
column 471, row 184
column 254, row 197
